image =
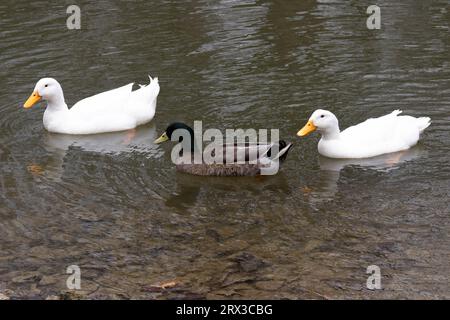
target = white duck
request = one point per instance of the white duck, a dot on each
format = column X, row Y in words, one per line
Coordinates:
column 373, row 137
column 115, row 110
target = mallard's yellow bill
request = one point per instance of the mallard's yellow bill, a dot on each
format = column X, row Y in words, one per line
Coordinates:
column 161, row 139
column 307, row 129
column 32, row 100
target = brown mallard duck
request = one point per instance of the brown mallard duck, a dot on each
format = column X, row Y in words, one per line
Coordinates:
column 239, row 159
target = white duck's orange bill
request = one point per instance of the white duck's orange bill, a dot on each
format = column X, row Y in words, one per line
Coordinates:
column 32, row 100
column 307, row 129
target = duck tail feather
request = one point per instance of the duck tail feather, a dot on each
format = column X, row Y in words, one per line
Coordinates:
column 424, row 122
column 155, row 79
column 269, row 147
column 153, row 85
column 283, row 152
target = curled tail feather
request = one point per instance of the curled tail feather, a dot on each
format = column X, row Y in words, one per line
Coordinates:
column 396, row 112
column 283, row 152
column 423, row 122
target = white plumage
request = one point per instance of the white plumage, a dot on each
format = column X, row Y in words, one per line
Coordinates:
column 115, row 110
column 373, row 137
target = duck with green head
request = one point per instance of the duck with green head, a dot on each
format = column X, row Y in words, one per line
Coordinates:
column 256, row 158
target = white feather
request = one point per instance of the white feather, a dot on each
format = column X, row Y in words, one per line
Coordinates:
column 373, row 137
column 114, row 110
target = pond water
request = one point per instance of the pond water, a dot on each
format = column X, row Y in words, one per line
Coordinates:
column 114, row 205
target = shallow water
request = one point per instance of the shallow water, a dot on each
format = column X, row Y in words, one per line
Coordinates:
column 114, row 205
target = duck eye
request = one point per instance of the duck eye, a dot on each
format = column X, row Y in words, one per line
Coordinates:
column 46, row 85
column 322, row 116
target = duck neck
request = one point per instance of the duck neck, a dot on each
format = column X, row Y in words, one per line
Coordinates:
column 331, row 133
column 57, row 104
column 190, row 145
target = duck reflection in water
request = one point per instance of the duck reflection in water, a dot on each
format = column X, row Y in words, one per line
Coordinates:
column 327, row 185
column 125, row 142
column 193, row 190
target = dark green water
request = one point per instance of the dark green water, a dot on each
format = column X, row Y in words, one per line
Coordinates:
column 114, row 204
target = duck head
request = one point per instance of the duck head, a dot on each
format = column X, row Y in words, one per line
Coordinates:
column 47, row 89
column 323, row 121
column 181, row 129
